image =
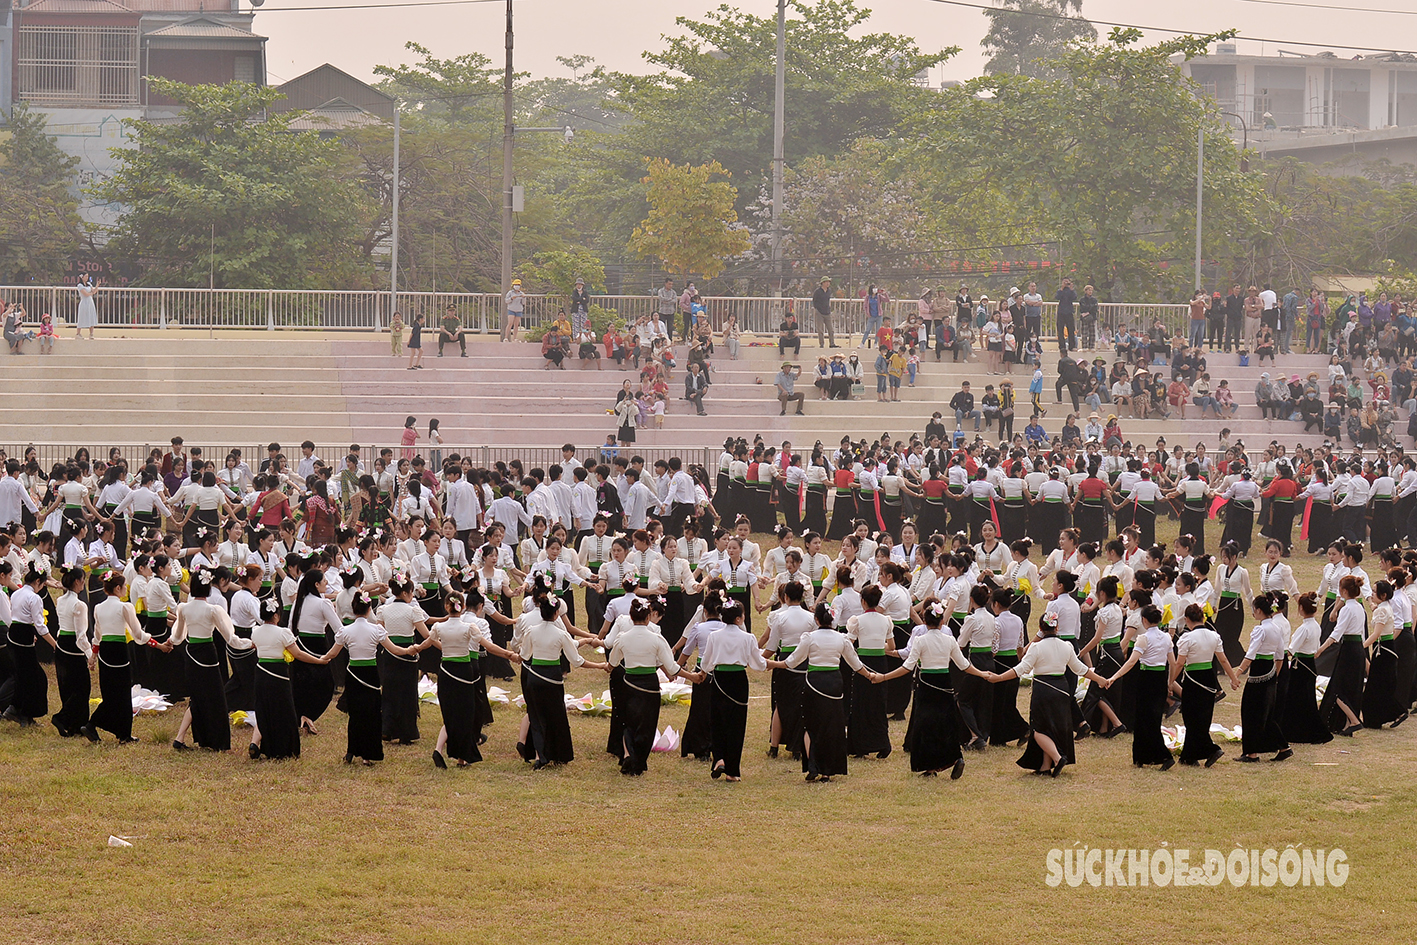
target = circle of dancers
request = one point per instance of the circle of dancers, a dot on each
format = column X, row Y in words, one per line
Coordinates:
column 279, row 599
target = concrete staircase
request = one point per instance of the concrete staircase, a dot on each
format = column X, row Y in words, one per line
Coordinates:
column 134, row 386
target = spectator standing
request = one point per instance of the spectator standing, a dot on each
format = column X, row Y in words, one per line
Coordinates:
column 930, row 314
column 1033, row 310
column 686, row 310
column 874, row 312
column 1288, row 318
column 396, row 335
column 1234, row 317
column 1254, row 313
column 1087, row 321
column 515, row 304
column 1067, row 299
column 1200, row 307
column 786, row 383
column 822, row 309
column 666, row 304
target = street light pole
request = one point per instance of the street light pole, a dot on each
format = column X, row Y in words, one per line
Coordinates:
column 394, row 234
column 778, row 123
column 1200, row 169
column 508, row 132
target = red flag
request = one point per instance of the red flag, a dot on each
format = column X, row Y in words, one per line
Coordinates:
column 876, row 498
column 994, row 514
column 802, row 499
column 1304, row 531
column 1216, row 506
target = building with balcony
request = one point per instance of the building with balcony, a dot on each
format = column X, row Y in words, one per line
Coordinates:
column 1318, row 108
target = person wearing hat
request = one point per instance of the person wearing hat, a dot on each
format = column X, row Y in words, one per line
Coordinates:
column 451, row 330
column 686, row 309
column 1093, row 429
column 786, row 383
column 822, row 308
column 514, row 304
column 580, row 299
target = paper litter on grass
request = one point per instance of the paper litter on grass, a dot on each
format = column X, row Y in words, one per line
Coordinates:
column 427, row 689
column 118, row 842
column 145, row 702
column 497, row 695
column 667, row 740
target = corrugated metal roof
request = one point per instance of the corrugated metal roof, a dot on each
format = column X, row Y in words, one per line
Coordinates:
column 203, row 29
column 76, row 6
column 334, row 116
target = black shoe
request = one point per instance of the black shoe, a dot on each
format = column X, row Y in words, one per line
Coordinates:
column 130, row 740
column 1084, row 731
column 1214, row 757
column 1114, row 731
column 957, row 770
column 1220, row 695
column 63, row 731
column 481, row 739
column 716, row 772
column 91, row 733
column 1247, row 759
column 1168, row 764
column 254, row 751
column 883, row 755
column 772, row 751
column 539, row 764
column 180, row 746
column 1058, row 768
column 1399, row 720
column 782, row 413
column 349, row 759
column 1351, row 729
column 438, row 761
column 1284, row 753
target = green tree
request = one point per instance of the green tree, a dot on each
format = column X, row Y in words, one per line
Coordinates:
column 39, row 221
column 1026, row 35
column 558, row 270
column 692, row 226
column 248, row 201
column 1101, row 159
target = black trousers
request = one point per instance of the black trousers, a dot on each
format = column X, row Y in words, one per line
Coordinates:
column 444, row 339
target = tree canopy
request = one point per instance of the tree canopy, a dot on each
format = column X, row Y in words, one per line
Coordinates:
column 39, row 221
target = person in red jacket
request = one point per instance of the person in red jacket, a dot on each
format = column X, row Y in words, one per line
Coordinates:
column 1281, row 493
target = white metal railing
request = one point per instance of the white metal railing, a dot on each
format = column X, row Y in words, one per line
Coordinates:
column 357, row 310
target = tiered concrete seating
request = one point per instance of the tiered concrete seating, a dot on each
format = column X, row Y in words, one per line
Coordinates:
column 247, row 387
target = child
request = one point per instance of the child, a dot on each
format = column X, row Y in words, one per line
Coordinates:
column 396, row 335
column 1035, row 388
column 883, row 368
column 46, row 334
column 897, row 371
column 912, row 364
column 659, row 406
column 884, row 335
column 410, row 437
column 643, row 403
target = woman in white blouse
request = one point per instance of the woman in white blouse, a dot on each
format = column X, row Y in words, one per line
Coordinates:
column 1051, row 704
column 1259, row 706
column 362, row 696
column 1098, row 706
column 740, row 577
column 314, row 621
column 1152, row 657
column 404, row 622
column 277, row 730
column 1198, row 649
column 543, row 642
column 873, row 634
column 724, row 658
column 671, row 577
column 895, row 604
column 71, row 663
column 115, row 621
column 786, row 625
column 1380, row 706
column 1343, row 698
column 1299, row 709
column 642, row 650
column 198, row 621
column 462, row 687
column 245, row 612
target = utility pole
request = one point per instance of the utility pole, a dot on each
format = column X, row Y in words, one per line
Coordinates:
column 1200, row 171
column 394, row 234
column 778, row 122
column 508, row 131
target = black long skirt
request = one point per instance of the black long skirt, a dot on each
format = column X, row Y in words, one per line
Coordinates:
column 275, row 710
column 1325, row 662
column 398, row 677
column 1346, row 683
column 815, row 519
column 458, row 701
column 824, row 723
column 1193, row 523
column 241, row 684
column 867, row 730
column 787, row 687
column 549, row 729
column 498, row 667
column 1380, row 705
column 211, row 726
column 640, row 710
column 71, row 673
column 1239, row 527
column 1109, row 659
column 975, row 697
column 312, row 683
column 1281, row 521
column 1383, row 534
column 697, row 737
column 1230, row 623
column 615, row 737
column 1320, row 526
column 676, row 617
column 159, row 671
column 7, row 674
column 1259, row 715
column 898, row 690
column 932, row 518
column 1092, row 523
column 1008, row 723
column 1148, row 745
column 363, row 700
column 1013, row 521
column 1047, row 520
column 115, row 688
column 1198, row 690
column 843, row 515
column 936, row 723
column 1144, row 517
column 728, row 719
column 1299, row 717
column 744, row 597
column 1405, row 646
column 31, row 681
column 434, row 606
column 1050, row 713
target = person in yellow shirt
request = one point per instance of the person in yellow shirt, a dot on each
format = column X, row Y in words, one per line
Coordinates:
column 896, row 371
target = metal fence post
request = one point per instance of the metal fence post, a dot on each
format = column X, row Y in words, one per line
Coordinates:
column 270, row 311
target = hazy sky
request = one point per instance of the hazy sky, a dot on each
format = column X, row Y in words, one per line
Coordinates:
column 616, row 32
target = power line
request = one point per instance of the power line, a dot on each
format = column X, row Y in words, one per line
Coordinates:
column 1331, row 6
column 376, row 6
column 1163, row 29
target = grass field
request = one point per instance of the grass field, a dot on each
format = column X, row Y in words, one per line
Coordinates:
column 225, row 849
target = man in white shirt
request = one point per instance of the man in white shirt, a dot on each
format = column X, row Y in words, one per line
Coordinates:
column 561, row 499
column 639, row 500
column 460, row 503
column 680, row 500
column 583, row 498
column 14, row 497
column 306, row 466
column 1355, row 508
column 569, row 465
column 506, row 511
